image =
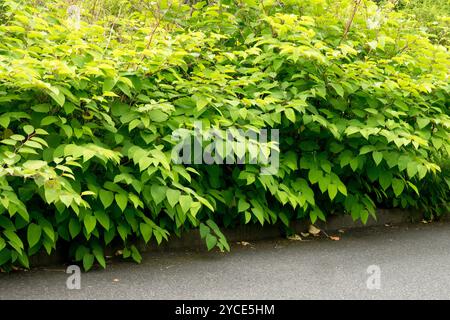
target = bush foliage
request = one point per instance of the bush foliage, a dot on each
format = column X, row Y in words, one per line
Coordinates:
column 359, row 92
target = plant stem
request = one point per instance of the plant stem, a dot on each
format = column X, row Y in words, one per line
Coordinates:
column 350, row 20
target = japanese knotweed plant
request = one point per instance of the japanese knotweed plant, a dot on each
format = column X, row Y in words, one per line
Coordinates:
column 359, row 94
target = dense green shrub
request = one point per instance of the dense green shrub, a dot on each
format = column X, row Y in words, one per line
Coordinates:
column 86, row 117
column 431, row 16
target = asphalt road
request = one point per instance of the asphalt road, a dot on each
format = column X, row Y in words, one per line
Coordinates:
column 413, row 260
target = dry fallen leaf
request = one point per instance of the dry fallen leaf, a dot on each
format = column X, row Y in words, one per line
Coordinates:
column 335, row 238
column 314, row 230
column 295, row 237
column 304, row 234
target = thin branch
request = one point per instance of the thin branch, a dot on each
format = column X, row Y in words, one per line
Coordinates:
column 350, row 20
column 153, row 32
column 112, row 28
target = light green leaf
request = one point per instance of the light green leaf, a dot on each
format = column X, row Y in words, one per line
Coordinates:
column 88, row 261
column 243, row 205
column 332, row 191
column 106, row 197
column 173, row 196
column 185, row 202
column 89, row 223
column 158, row 193
column 33, row 234
column 211, row 241
column 398, row 186
column 290, row 114
column 146, row 231
column 121, row 200
column 377, row 157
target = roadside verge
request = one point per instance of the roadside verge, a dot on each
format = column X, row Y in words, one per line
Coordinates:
column 249, row 233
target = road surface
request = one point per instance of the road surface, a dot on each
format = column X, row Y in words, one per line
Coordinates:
column 412, row 262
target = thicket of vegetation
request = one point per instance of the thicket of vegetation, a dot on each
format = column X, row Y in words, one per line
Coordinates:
column 359, row 92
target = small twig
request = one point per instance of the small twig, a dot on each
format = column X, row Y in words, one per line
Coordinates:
column 350, row 20
column 153, row 32
column 112, row 28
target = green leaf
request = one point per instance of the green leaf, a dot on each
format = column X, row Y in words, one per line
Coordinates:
column 338, row 88
column 4, row 121
column 49, row 120
column 342, row 189
column 123, row 231
column 204, row 230
column 412, row 169
column 364, row 215
column 201, row 102
column 58, row 97
column 259, row 214
column 33, row 234
column 28, row 129
column 74, row 227
column 14, row 240
column 185, row 203
column 377, row 157
column 211, row 241
column 23, row 260
column 89, row 223
column 158, row 193
column 109, row 84
column 2, row 245
column 314, row 175
column 422, row 170
column 173, row 196
column 103, row 218
column 47, row 227
column 5, row 256
column 243, row 205
column 398, row 186
column 366, row 149
column 290, row 114
column 332, row 191
column 248, row 217
column 135, row 255
column 121, row 200
column 106, row 197
column 313, row 216
column 422, row 122
column 88, row 261
column 385, row 179
column 146, row 231
column 125, row 89
column 98, row 253
column 41, row 108
column 158, row 115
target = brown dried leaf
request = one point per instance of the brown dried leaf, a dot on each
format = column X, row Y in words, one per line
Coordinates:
column 314, row 230
column 295, row 237
column 304, row 234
